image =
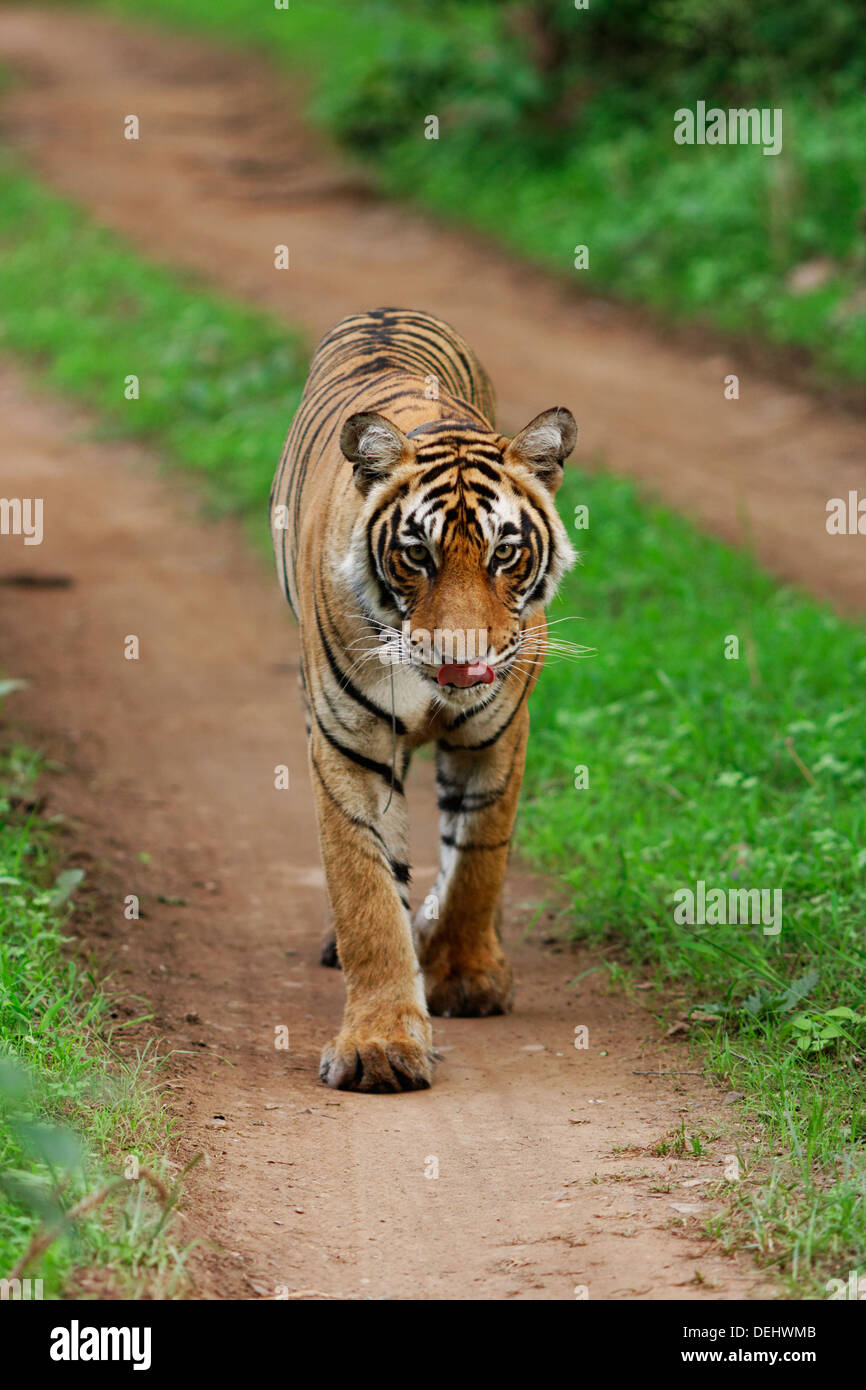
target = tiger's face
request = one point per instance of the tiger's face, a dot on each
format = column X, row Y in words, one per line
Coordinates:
column 458, row 541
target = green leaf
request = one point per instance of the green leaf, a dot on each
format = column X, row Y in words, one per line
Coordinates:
column 7, row 687
column 799, row 989
column 56, row 1147
column 65, row 885
column 14, row 1082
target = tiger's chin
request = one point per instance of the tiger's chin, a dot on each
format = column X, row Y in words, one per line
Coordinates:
column 457, row 698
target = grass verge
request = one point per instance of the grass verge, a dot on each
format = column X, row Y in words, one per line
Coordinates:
column 84, row 1181
column 693, row 232
column 214, row 381
column 740, row 772
column 737, row 764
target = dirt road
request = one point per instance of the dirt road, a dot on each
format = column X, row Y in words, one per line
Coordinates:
column 225, row 170
column 546, row 1179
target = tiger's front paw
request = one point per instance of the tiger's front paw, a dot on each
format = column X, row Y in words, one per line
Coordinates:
column 475, row 991
column 379, row 1056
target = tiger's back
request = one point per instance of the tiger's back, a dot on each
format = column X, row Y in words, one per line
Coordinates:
column 401, row 362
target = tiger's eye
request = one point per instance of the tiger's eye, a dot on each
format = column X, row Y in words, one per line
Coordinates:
column 417, row 553
column 505, row 551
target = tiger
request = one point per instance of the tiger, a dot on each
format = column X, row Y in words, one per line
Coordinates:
column 403, row 525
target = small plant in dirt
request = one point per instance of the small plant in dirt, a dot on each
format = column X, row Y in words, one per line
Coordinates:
column 680, row 1143
column 820, row 1031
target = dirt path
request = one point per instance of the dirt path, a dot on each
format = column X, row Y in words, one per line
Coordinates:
column 545, row 1178
column 225, row 170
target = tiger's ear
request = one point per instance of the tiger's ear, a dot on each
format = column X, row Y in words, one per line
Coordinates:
column 543, row 444
column 374, row 446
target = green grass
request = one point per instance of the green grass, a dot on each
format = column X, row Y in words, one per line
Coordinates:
column 696, row 233
column 216, row 381
column 73, row 1113
column 743, row 773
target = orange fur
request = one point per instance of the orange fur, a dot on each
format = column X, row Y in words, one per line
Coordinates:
column 398, row 502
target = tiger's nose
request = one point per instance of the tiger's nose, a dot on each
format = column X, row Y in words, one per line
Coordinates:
column 472, row 673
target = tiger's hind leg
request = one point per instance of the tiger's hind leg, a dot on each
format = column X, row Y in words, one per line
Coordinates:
column 457, row 935
column 328, row 954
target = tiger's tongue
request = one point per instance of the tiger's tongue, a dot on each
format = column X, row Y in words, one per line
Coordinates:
column 476, row 673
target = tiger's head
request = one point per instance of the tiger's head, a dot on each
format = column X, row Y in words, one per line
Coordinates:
column 457, row 539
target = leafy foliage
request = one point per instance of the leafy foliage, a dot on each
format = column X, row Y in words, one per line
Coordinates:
column 556, row 130
column 68, row 1107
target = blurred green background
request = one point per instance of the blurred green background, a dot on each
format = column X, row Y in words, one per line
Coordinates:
column 556, row 129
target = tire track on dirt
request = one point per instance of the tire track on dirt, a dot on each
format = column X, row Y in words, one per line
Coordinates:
column 546, row 1175
column 226, row 169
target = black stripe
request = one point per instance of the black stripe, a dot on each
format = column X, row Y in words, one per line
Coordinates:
column 349, row 687
column 488, row 742
column 436, row 471
column 347, row 815
column 387, row 773
column 456, row 803
column 467, row 849
column 487, row 472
